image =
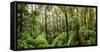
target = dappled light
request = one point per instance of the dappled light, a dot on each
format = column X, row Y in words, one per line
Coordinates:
column 42, row 26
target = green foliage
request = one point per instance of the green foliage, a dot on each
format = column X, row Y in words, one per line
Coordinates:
column 26, row 41
column 72, row 40
column 40, row 41
column 60, row 39
column 89, row 35
column 55, row 26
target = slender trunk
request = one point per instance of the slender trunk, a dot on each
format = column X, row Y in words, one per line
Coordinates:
column 53, row 22
column 46, row 22
column 67, row 26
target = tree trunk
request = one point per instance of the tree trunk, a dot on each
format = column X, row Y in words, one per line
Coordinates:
column 66, row 15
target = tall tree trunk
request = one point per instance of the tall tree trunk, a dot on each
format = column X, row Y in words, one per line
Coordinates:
column 46, row 22
column 66, row 15
column 53, row 20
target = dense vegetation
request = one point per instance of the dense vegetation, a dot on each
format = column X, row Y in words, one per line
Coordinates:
column 41, row 26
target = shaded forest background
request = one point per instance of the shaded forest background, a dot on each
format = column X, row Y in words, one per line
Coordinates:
column 41, row 26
